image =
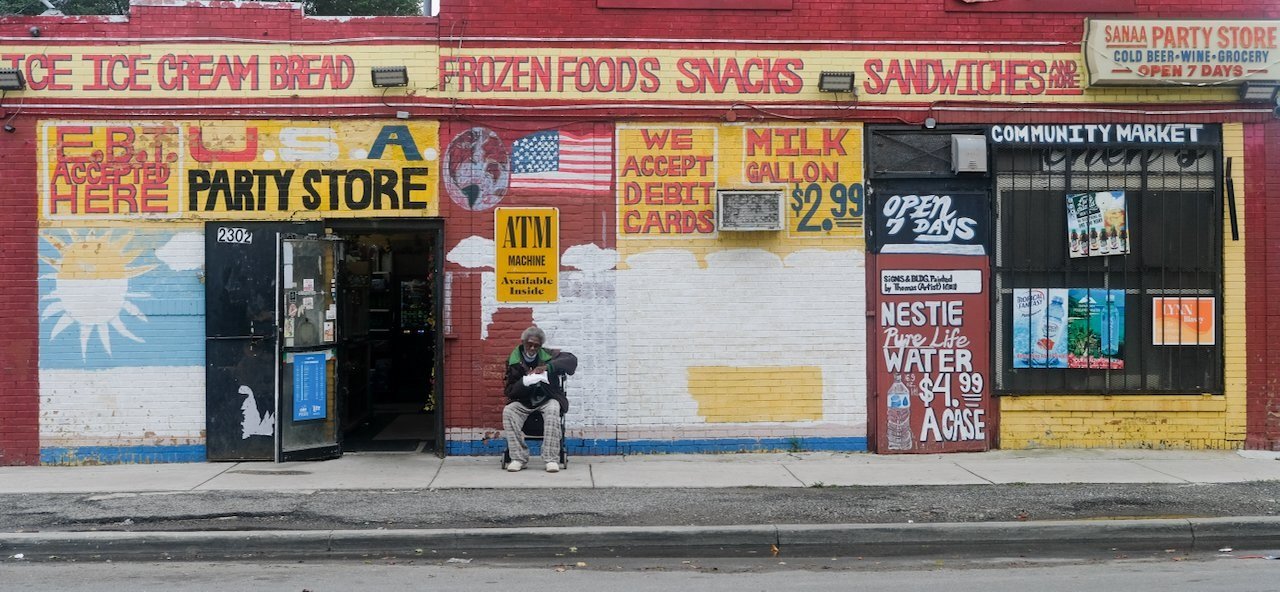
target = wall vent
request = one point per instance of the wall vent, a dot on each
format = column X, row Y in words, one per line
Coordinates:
column 751, row 210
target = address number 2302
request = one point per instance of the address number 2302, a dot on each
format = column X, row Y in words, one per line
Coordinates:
column 237, row 236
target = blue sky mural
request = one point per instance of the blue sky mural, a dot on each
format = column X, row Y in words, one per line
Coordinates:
column 118, row 297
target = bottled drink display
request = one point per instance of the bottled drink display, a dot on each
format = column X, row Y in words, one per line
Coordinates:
column 899, row 415
column 1111, row 327
column 1053, row 317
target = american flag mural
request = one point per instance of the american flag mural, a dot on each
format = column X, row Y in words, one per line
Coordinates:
column 556, row 160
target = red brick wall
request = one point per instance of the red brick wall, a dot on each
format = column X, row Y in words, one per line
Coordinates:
column 473, row 367
column 245, row 22
column 807, row 20
column 19, row 390
column 1262, row 256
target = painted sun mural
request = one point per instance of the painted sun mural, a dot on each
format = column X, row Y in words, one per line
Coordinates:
column 91, row 273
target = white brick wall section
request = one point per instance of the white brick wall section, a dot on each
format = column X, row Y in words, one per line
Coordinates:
column 582, row 322
column 140, row 406
column 747, row 307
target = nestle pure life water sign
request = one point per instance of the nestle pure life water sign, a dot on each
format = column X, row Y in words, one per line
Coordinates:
column 1039, row 328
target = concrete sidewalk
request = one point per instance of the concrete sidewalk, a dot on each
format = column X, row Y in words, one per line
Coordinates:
column 422, row 471
column 404, row 475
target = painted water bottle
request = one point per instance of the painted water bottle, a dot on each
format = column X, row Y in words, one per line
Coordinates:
column 1111, row 328
column 1052, row 327
column 899, row 415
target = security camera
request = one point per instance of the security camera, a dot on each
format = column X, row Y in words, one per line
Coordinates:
column 9, row 128
column 35, row 31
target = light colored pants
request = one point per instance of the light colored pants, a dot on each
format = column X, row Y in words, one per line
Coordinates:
column 513, row 416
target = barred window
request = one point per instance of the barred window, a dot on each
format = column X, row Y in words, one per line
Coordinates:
column 1173, row 228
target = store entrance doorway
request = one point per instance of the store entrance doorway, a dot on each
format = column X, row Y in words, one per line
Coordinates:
column 391, row 302
column 323, row 338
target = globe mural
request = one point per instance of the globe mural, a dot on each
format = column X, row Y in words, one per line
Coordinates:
column 476, row 169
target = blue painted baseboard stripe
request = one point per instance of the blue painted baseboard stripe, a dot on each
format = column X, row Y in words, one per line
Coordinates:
column 575, row 446
column 605, row 447
column 110, row 455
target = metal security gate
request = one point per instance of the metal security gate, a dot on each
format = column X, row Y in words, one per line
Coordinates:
column 1158, row 245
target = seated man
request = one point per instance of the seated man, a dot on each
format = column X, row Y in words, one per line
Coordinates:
column 535, row 382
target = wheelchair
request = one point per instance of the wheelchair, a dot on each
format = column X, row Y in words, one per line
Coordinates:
column 533, row 430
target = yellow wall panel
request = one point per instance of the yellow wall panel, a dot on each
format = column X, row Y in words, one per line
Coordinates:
column 733, row 394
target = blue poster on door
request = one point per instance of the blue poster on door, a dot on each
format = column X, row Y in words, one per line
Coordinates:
column 309, row 388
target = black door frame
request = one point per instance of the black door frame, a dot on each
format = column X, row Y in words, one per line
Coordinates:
column 253, row 329
column 434, row 228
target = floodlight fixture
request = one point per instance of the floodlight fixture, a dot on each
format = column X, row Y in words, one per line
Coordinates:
column 389, row 76
column 1257, row 90
column 11, row 79
column 837, row 82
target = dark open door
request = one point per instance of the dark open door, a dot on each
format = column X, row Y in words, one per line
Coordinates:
column 240, row 337
column 308, row 312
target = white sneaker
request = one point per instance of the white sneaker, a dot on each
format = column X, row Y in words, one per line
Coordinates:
column 553, row 467
column 514, row 466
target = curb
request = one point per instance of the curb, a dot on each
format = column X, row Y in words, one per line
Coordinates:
column 981, row 539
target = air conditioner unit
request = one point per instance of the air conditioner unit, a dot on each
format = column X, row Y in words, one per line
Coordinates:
column 968, row 154
column 750, row 210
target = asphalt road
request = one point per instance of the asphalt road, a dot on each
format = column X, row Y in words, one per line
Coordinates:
column 1172, row 573
column 393, row 509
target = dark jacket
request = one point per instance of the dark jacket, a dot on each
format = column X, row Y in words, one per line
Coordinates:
column 559, row 365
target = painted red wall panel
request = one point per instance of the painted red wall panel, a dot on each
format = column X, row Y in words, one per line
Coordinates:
column 19, row 378
column 1262, row 254
column 933, row 380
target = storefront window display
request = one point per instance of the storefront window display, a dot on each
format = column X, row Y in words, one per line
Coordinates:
column 1098, row 228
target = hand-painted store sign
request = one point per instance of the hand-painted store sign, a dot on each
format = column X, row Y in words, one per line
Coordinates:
column 668, row 175
column 229, row 70
column 525, row 73
column 930, row 281
column 1137, row 52
column 933, row 369
column 538, row 73
column 237, row 169
column 1136, row 133
column 953, row 224
column 669, row 74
